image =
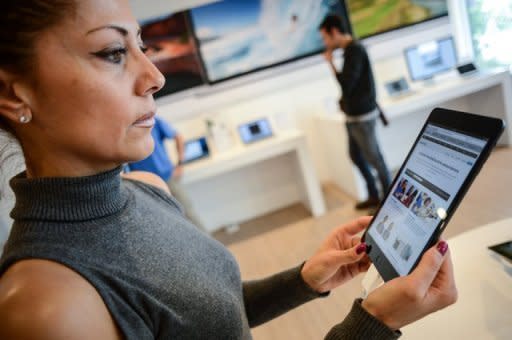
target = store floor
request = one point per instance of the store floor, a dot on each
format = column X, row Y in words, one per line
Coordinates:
column 288, row 237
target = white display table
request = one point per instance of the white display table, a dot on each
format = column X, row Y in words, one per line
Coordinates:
column 484, row 308
column 248, row 181
column 482, row 93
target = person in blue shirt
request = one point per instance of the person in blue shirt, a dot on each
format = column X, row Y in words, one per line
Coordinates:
column 159, row 162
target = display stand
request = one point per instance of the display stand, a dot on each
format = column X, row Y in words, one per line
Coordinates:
column 252, row 180
column 483, row 93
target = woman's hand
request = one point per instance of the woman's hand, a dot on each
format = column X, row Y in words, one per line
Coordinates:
column 341, row 257
column 430, row 287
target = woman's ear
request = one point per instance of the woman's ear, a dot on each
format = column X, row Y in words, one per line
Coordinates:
column 13, row 106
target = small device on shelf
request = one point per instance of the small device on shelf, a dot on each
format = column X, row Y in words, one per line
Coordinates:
column 397, row 87
column 255, row 130
column 467, row 69
column 196, row 149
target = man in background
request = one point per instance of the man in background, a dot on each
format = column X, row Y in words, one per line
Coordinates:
column 359, row 104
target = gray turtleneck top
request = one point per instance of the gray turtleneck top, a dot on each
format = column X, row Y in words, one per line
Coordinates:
column 158, row 275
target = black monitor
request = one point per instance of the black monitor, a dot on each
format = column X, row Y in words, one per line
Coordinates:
column 426, row 60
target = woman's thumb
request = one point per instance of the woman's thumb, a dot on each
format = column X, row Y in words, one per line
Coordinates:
column 351, row 255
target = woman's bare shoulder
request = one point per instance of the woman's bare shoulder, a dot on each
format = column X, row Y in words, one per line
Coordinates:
column 41, row 299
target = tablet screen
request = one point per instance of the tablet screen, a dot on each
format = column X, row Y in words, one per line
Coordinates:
column 254, row 131
column 195, row 149
column 419, row 199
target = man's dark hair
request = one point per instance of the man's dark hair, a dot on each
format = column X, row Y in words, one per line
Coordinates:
column 334, row 21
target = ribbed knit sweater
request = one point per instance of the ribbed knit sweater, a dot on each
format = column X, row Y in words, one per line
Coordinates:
column 159, row 276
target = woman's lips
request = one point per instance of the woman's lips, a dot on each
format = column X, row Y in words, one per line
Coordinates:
column 146, row 121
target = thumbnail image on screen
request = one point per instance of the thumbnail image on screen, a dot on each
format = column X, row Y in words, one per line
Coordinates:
column 371, row 17
column 172, row 48
column 236, row 37
column 428, row 59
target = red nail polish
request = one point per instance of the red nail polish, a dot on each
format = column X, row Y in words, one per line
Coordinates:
column 442, row 247
column 361, row 248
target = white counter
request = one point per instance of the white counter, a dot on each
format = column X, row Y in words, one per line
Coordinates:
column 482, row 93
column 484, row 308
column 251, row 180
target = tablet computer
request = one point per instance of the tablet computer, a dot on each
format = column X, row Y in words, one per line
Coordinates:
column 255, row 130
column 397, row 87
column 195, row 149
column 443, row 162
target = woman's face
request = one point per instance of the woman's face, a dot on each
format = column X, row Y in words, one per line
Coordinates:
column 91, row 93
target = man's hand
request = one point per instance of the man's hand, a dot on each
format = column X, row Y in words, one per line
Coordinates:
column 328, row 55
column 340, row 258
column 341, row 103
column 178, row 171
column 428, row 288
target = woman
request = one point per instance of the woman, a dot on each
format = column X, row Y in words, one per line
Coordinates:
column 11, row 158
column 94, row 256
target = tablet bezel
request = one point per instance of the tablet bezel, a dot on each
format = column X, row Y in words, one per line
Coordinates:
column 466, row 123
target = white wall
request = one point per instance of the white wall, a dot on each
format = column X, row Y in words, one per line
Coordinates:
column 144, row 9
column 301, row 90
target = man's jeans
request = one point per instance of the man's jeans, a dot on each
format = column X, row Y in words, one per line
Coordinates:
column 365, row 152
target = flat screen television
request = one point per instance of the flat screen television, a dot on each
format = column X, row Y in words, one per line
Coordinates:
column 172, row 48
column 371, row 17
column 237, row 37
column 426, row 60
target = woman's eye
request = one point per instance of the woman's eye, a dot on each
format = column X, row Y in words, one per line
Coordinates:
column 113, row 56
column 143, row 48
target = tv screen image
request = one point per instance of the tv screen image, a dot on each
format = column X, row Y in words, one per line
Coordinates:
column 371, row 17
column 236, row 37
column 428, row 59
column 172, row 48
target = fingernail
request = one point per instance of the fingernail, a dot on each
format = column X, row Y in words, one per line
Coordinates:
column 442, row 247
column 361, row 248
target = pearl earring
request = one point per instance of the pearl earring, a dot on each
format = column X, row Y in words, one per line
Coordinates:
column 24, row 119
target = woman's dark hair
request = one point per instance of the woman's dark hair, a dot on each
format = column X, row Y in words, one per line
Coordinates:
column 21, row 24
